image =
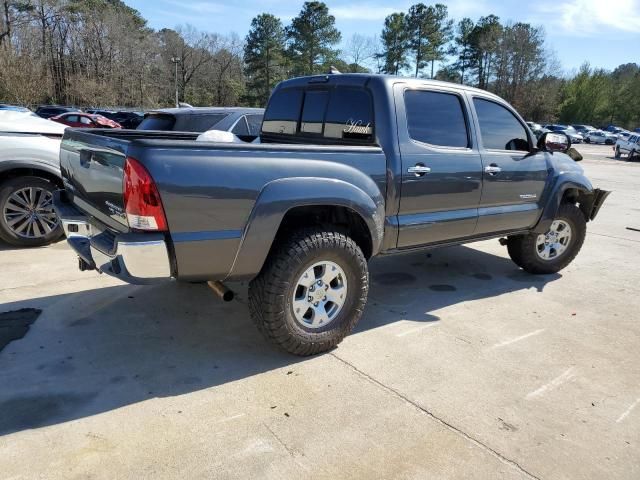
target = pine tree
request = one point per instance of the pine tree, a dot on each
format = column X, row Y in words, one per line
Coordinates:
column 395, row 44
column 264, row 57
column 312, row 35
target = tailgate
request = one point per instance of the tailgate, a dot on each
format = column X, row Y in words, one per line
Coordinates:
column 92, row 167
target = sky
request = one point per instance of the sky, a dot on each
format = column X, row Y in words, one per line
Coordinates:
column 605, row 33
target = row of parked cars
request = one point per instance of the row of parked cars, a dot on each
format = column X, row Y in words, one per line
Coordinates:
column 583, row 133
column 30, row 150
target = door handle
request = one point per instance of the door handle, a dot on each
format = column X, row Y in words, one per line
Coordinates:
column 419, row 170
column 492, row 169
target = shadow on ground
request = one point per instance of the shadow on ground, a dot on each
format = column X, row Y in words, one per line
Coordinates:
column 98, row 350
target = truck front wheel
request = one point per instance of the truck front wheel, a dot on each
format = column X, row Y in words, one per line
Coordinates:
column 311, row 292
column 553, row 250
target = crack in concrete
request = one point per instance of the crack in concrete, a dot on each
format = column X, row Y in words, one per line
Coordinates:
column 613, row 236
column 442, row 422
column 290, row 451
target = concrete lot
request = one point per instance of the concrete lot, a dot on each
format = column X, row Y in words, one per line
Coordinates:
column 463, row 366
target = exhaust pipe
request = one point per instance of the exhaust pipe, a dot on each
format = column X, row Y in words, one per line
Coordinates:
column 221, row 290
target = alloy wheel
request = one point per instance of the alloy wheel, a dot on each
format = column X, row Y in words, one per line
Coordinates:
column 28, row 212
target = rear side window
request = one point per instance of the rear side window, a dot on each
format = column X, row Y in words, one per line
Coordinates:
column 283, row 112
column 499, row 128
column 436, row 118
column 350, row 115
column 254, row 122
column 200, row 122
column 240, row 128
column 157, row 122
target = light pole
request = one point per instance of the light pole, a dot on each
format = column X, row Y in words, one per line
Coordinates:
column 176, row 60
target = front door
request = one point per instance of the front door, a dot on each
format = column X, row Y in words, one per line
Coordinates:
column 514, row 175
column 441, row 167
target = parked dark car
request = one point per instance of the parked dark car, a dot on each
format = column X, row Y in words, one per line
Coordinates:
column 583, row 129
column 130, row 120
column 85, row 120
column 243, row 122
column 48, row 111
column 349, row 167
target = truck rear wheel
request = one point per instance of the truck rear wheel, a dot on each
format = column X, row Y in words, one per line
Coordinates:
column 550, row 252
column 27, row 218
column 311, row 292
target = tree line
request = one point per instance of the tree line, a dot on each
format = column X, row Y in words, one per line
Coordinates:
column 102, row 53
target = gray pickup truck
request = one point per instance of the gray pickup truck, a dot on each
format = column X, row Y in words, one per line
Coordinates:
column 349, row 167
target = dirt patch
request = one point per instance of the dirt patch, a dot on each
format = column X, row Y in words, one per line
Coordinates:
column 15, row 324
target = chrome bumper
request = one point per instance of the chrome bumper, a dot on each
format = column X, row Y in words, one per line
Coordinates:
column 139, row 258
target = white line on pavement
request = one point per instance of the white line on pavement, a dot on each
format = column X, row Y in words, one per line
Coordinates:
column 626, row 413
column 415, row 330
column 517, row 339
column 559, row 380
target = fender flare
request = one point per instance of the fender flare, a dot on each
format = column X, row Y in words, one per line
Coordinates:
column 563, row 182
column 8, row 165
column 282, row 195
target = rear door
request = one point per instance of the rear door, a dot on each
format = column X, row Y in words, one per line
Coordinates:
column 513, row 177
column 441, row 168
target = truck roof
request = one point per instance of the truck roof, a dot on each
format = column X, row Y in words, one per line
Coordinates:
column 189, row 110
column 361, row 79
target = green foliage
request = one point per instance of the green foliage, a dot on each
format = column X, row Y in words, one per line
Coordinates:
column 312, row 36
column 429, row 31
column 395, row 44
column 597, row 97
column 264, row 57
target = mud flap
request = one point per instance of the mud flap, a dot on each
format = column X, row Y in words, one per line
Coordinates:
column 599, row 196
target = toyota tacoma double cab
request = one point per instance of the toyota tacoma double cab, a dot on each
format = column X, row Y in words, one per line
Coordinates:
column 350, row 166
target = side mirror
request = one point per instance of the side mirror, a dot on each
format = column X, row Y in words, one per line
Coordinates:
column 554, row 142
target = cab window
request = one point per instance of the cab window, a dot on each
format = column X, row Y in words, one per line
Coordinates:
column 436, row 118
column 499, row 128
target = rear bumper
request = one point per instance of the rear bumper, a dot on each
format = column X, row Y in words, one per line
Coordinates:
column 139, row 258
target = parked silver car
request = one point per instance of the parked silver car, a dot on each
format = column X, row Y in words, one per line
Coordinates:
column 601, row 137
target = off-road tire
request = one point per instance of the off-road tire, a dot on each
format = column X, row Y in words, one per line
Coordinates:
column 271, row 292
column 522, row 248
column 632, row 154
column 7, row 188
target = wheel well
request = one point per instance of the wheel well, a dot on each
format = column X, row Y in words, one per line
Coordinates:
column 330, row 216
column 580, row 197
column 30, row 172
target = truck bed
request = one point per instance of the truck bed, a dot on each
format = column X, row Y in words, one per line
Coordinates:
column 208, row 190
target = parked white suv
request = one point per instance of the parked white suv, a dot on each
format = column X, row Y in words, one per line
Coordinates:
column 29, row 174
column 629, row 146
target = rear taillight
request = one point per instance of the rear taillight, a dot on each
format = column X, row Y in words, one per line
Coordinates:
column 141, row 198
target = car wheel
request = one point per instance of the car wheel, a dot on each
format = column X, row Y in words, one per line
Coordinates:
column 587, row 140
column 27, row 218
column 617, row 153
column 632, row 154
column 550, row 252
column 311, row 292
